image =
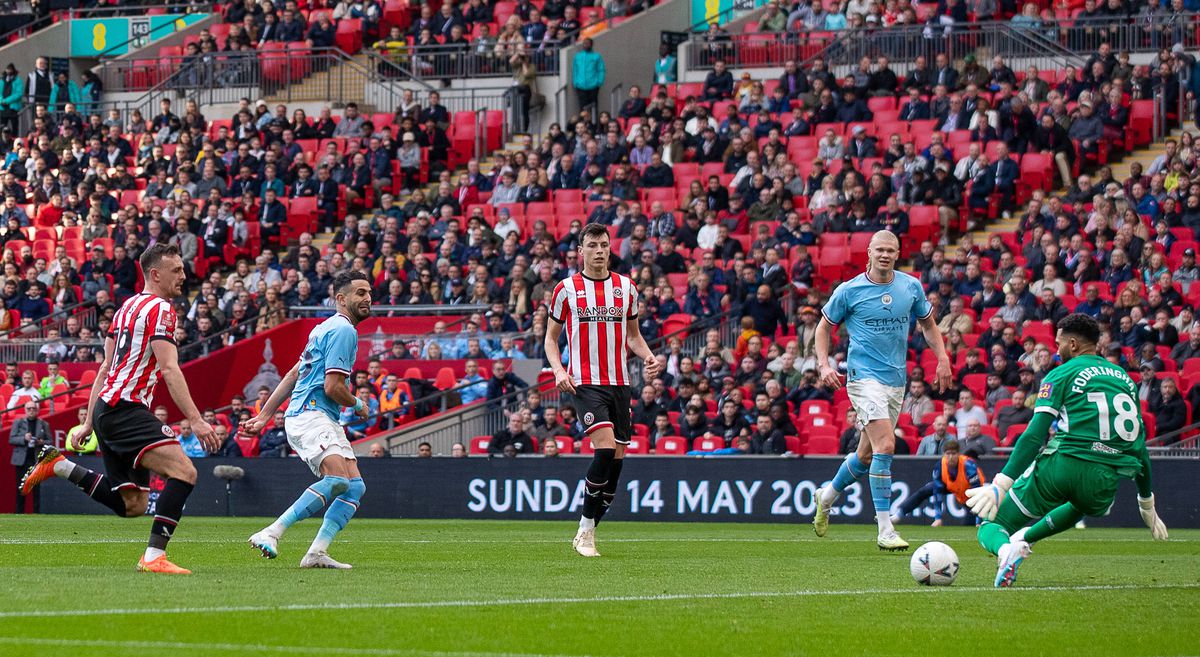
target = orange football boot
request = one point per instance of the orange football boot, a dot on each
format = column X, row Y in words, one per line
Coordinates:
column 161, row 566
column 42, row 470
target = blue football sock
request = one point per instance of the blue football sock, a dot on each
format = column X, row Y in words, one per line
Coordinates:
column 313, row 499
column 338, row 515
column 881, row 482
column 850, row 471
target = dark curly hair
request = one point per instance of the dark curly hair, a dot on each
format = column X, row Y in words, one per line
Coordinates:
column 1081, row 326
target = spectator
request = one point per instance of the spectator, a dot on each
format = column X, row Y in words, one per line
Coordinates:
column 852, row 433
column 473, row 386
column 766, row 439
column 917, row 403
column 1170, row 411
column 274, row 442
column 934, row 443
column 28, row 434
column 512, row 437
column 1013, row 414
column 968, row 410
column 502, row 382
column 975, row 443
column 587, row 75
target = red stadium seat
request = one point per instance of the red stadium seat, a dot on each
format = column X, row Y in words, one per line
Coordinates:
column 479, row 444
column 671, row 445
column 822, row 444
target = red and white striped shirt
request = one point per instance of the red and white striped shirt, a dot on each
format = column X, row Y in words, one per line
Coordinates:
column 595, row 312
column 133, row 372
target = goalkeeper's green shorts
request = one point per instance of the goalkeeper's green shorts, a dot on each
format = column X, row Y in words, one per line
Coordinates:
column 1055, row 479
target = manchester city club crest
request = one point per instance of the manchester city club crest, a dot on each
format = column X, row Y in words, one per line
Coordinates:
column 886, row 299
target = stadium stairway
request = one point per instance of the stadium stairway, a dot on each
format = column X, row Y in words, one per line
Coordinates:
column 515, row 143
column 1120, row 169
column 335, row 83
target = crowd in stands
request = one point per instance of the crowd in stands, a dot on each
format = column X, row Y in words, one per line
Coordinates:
column 1080, row 24
column 739, row 196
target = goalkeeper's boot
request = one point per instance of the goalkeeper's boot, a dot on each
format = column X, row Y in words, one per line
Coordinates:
column 585, row 542
column 1009, row 558
column 322, row 560
column 821, row 516
column 161, row 566
column 1018, row 535
column 42, row 470
column 890, row 541
column 266, row 543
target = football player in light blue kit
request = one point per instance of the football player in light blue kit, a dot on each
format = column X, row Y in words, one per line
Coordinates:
column 877, row 307
column 319, row 387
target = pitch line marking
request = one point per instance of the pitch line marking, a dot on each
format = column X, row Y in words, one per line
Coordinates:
column 534, row 541
column 434, row 604
column 255, row 647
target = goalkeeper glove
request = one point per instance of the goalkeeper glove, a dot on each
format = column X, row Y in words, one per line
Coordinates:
column 984, row 501
column 1150, row 517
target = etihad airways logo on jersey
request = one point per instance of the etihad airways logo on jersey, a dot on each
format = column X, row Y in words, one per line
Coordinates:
column 598, row 313
column 886, row 322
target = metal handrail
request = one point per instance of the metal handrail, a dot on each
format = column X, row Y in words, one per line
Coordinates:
column 420, row 430
column 421, row 309
column 902, row 43
column 1180, row 433
column 379, row 58
column 29, row 28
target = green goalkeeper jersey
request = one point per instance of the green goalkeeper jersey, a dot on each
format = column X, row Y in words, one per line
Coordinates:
column 1099, row 419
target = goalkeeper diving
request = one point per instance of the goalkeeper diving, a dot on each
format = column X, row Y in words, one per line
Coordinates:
column 1100, row 439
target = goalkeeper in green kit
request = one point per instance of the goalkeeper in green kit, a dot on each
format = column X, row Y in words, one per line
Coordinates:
column 1100, row 439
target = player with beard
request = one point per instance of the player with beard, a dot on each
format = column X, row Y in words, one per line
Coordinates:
column 139, row 348
column 318, row 387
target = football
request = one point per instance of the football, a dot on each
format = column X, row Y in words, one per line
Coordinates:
column 934, row 564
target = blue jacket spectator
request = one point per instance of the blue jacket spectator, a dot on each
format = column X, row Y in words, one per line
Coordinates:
column 472, row 387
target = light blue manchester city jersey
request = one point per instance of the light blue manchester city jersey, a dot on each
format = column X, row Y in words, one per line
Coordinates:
column 332, row 347
column 877, row 318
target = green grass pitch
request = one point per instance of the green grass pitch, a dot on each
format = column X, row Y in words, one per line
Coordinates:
column 485, row 589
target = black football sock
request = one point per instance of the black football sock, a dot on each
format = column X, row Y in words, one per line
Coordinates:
column 610, row 488
column 597, row 479
column 168, row 511
column 97, row 487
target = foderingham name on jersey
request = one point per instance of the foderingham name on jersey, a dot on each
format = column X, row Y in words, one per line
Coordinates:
column 1085, row 375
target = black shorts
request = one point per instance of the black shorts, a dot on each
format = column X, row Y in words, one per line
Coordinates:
column 606, row 406
column 126, row 431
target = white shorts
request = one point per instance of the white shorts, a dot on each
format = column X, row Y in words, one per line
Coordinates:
column 313, row 436
column 874, row 401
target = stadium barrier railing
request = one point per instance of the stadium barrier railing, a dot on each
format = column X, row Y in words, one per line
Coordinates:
column 393, row 311
column 284, row 76
column 900, row 43
column 485, row 418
